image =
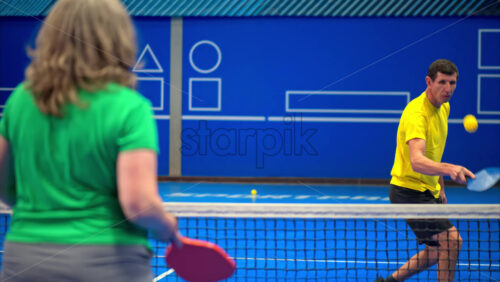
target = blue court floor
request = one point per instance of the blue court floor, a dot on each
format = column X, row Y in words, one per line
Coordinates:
column 331, row 249
column 305, row 193
column 323, row 249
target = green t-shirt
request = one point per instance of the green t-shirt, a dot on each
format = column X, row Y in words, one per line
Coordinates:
column 65, row 168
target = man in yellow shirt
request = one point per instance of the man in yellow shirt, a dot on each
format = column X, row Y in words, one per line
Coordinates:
column 417, row 174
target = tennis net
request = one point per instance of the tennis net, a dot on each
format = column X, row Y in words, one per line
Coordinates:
column 317, row 242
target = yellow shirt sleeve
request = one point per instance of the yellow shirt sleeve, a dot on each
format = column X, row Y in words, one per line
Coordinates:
column 416, row 126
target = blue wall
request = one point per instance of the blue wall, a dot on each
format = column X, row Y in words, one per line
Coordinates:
column 308, row 97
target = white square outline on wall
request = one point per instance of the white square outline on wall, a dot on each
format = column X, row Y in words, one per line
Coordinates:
column 162, row 95
column 479, row 52
column 219, row 94
column 479, row 111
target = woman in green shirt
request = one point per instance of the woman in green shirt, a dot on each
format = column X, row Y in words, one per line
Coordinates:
column 78, row 154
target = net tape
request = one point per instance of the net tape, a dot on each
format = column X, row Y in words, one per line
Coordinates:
column 231, row 210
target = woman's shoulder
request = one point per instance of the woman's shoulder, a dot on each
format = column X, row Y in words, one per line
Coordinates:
column 123, row 93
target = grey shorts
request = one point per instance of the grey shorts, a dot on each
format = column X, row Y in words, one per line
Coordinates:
column 51, row 262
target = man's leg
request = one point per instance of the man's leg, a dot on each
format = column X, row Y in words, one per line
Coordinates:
column 421, row 261
column 450, row 243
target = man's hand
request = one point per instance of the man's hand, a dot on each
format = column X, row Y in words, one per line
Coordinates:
column 442, row 195
column 459, row 174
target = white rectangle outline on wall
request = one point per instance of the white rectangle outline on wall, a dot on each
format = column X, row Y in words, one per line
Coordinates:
column 364, row 93
column 479, row 52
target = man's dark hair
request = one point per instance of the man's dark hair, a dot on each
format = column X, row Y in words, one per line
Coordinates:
column 443, row 66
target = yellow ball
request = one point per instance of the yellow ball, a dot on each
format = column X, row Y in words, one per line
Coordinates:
column 470, row 123
column 254, row 192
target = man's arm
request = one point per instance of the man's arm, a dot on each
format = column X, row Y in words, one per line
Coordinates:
column 7, row 181
column 442, row 194
column 422, row 164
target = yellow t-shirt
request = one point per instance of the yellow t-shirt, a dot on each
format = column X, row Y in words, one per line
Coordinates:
column 420, row 119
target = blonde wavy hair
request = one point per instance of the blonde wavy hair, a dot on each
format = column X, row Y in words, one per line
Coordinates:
column 82, row 44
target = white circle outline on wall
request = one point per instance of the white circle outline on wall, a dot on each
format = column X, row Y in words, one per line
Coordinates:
column 216, row 49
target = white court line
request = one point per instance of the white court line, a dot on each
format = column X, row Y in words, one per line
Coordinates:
column 163, row 275
column 340, row 261
column 358, row 261
column 278, row 196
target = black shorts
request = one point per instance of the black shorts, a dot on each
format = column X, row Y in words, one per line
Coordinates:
column 424, row 229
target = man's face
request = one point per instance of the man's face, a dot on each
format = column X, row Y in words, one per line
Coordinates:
column 441, row 88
